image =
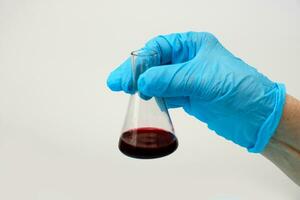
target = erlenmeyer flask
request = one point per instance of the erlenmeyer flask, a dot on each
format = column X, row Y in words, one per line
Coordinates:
column 148, row 131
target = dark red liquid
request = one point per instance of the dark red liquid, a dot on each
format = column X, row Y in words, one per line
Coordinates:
column 147, row 143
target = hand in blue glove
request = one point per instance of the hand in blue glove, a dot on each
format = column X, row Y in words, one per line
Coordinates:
column 198, row 74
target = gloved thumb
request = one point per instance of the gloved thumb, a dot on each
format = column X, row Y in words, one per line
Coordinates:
column 165, row 81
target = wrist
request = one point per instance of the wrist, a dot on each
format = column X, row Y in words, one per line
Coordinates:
column 287, row 131
column 284, row 147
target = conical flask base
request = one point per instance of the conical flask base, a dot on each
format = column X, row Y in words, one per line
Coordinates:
column 147, row 143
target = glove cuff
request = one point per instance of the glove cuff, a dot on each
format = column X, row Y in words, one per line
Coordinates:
column 269, row 127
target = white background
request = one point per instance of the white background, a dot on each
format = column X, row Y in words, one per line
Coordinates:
column 60, row 125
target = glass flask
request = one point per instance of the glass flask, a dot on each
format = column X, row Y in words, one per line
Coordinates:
column 147, row 131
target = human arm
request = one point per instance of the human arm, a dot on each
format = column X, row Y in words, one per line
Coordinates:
column 284, row 147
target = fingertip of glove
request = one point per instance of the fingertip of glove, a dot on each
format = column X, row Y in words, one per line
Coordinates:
column 144, row 97
column 116, row 86
column 127, row 86
column 142, row 84
column 113, row 84
column 142, row 88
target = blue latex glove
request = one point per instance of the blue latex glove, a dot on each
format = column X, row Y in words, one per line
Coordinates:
column 198, row 74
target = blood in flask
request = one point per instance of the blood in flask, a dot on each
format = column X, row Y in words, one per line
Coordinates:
column 147, row 142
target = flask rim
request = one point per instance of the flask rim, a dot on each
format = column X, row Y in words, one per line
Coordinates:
column 144, row 52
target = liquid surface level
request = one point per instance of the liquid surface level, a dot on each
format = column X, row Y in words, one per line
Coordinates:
column 147, row 143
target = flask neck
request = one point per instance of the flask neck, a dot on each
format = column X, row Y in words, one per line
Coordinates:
column 142, row 60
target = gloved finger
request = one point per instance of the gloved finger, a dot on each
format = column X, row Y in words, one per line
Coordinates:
column 144, row 97
column 176, row 47
column 176, row 102
column 166, row 81
column 121, row 78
